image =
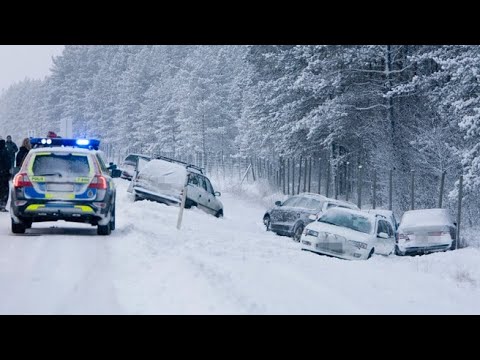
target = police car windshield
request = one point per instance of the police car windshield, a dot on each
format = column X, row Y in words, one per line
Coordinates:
column 66, row 165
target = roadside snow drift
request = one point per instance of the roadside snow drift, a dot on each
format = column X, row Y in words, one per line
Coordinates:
column 215, row 266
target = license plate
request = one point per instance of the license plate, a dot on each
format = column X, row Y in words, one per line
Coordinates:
column 60, row 187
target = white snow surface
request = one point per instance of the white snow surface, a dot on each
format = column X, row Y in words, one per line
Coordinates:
column 426, row 217
column 215, row 266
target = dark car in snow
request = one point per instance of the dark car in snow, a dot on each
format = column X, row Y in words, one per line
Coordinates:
column 290, row 217
column 129, row 165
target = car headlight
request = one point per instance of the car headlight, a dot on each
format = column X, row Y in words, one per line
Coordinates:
column 358, row 244
column 311, row 233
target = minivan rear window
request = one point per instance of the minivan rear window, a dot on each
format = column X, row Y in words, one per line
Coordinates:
column 65, row 164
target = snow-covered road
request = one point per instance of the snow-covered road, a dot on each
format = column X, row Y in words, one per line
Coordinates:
column 215, row 266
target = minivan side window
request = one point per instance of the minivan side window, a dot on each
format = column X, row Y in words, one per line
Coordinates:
column 193, row 180
column 209, row 185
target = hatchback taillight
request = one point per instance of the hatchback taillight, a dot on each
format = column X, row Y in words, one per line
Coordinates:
column 99, row 182
column 21, row 180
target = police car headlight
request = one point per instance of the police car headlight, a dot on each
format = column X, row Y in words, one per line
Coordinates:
column 358, row 244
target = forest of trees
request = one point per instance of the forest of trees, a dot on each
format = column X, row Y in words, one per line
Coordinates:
column 383, row 106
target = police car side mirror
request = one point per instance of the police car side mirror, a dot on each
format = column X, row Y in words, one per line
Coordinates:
column 278, row 203
column 116, row 173
column 217, row 193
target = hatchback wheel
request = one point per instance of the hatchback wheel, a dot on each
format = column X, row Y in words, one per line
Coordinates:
column 266, row 222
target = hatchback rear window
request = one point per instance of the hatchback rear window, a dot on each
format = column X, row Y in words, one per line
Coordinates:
column 65, row 164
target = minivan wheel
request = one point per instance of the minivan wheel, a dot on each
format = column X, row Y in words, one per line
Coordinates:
column 297, row 235
column 398, row 252
column 189, row 204
column 18, row 228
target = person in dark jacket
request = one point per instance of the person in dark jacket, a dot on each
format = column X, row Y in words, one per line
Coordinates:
column 24, row 149
column 12, row 150
column 5, row 167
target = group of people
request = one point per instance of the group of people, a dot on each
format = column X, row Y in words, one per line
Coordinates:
column 11, row 158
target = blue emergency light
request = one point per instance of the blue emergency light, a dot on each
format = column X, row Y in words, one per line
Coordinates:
column 92, row 144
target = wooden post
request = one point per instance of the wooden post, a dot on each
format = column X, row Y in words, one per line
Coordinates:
column 390, row 190
column 374, row 199
column 299, row 176
column 288, row 176
column 252, row 167
column 359, row 186
column 319, row 175
column 442, row 183
column 412, row 192
column 459, row 212
column 309, row 174
column 293, row 176
column 327, row 191
column 347, row 183
column 305, row 177
column 182, row 204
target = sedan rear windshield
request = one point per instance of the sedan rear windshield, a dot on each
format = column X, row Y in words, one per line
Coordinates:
column 61, row 164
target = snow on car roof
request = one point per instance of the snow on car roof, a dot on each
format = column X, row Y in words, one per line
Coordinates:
column 380, row 212
column 166, row 171
column 426, row 217
column 312, row 196
column 353, row 211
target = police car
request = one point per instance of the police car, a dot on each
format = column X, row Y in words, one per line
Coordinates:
column 64, row 179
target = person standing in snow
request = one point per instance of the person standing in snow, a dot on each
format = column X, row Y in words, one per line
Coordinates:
column 5, row 167
column 12, row 150
column 24, row 149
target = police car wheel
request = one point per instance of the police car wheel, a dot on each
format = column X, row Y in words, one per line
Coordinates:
column 18, row 228
column 112, row 219
column 104, row 229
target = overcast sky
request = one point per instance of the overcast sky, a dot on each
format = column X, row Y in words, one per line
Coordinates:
column 20, row 61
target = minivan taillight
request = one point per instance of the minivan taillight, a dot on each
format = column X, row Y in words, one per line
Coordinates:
column 99, row 182
column 21, row 180
column 403, row 236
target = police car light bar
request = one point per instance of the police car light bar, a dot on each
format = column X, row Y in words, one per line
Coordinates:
column 79, row 143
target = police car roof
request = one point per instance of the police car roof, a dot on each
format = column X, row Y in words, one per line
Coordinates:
column 67, row 149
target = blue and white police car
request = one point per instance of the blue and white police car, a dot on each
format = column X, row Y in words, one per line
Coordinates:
column 64, row 179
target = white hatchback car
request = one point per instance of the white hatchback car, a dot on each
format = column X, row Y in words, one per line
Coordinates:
column 349, row 234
